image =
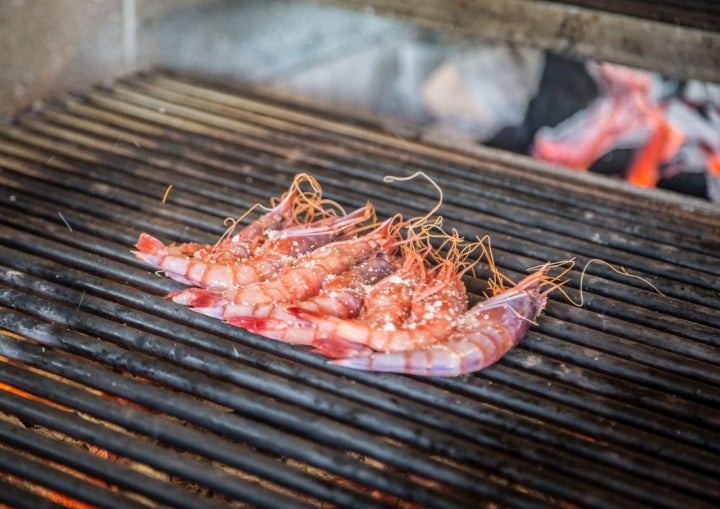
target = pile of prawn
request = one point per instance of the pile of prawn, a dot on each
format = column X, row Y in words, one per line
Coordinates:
column 370, row 295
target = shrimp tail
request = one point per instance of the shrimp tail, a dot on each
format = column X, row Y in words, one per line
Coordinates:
column 197, row 298
column 150, row 250
column 149, row 244
column 153, row 252
column 251, row 323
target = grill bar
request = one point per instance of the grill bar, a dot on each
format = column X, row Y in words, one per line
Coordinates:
column 123, row 445
column 339, row 435
column 74, row 298
column 232, row 425
column 514, row 214
column 88, row 463
column 36, row 471
column 709, row 336
column 24, row 499
column 613, row 403
column 85, row 372
column 166, row 431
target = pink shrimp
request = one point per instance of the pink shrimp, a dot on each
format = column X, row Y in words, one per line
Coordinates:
column 435, row 307
column 341, row 296
column 293, row 205
column 482, row 336
column 230, row 247
column 387, row 305
column 243, row 243
column 299, row 282
column 389, row 301
column 275, row 253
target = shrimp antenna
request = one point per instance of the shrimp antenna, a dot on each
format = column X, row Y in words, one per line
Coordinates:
column 232, row 224
column 458, row 250
column 305, row 202
column 497, row 281
column 422, row 230
column 419, row 235
column 422, row 219
column 463, row 251
column 558, row 281
column 309, row 202
column 618, row 270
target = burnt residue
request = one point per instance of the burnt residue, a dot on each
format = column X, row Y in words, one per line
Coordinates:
column 612, row 402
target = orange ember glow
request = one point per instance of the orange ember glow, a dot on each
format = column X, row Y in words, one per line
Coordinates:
column 18, row 392
column 48, row 494
column 627, row 113
column 663, row 144
column 41, row 491
column 714, row 164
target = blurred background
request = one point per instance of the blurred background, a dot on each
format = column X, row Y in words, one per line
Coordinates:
column 537, row 84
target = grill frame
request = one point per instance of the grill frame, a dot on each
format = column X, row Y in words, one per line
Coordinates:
column 597, row 406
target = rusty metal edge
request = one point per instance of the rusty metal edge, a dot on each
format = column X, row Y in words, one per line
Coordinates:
column 576, row 32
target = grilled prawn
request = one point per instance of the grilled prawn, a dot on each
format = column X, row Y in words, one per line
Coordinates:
column 232, row 247
column 279, row 250
column 341, row 296
column 298, row 282
column 434, row 308
column 482, row 335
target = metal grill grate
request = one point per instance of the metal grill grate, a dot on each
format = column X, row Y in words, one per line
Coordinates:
column 122, row 399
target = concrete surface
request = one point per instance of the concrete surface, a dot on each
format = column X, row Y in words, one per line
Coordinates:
column 49, row 47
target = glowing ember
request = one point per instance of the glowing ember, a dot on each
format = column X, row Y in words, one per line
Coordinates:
column 629, row 113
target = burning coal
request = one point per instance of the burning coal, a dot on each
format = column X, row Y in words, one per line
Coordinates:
column 670, row 135
column 628, row 123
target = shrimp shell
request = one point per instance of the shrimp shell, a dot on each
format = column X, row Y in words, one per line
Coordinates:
column 389, row 301
column 232, row 247
column 482, row 336
column 435, row 307
column 299, row 282
column 273, row 255
column 285, row 214
column 342, row 297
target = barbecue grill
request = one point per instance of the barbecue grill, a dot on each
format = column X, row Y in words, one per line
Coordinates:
column 115, row 397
